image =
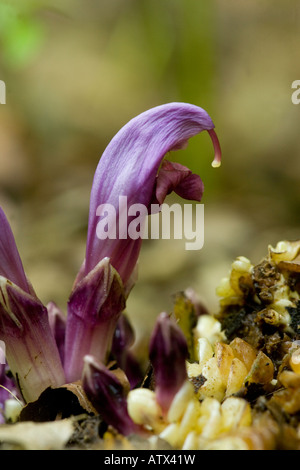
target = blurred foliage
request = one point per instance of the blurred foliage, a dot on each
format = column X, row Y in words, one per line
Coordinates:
column 77, row 71
column 21, row 35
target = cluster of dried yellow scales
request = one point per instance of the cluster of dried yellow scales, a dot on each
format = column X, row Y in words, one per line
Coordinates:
column 243, row 390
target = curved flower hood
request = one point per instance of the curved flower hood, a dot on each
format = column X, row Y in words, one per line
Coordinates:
column 130, row 166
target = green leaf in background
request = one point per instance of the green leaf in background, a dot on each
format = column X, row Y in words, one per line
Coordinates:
column 20, row 35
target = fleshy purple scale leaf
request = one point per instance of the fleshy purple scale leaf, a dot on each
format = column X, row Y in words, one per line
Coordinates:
column 31, row 350
column 11, row 266
column 57, row 322
column 94, row 308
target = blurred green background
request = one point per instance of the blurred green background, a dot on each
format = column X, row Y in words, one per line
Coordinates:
column 77, row 70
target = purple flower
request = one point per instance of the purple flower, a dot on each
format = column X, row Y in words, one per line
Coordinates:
column 168, row 355
column 38, row 340
column 108, row 396
column 31, row 350
column 129, row 168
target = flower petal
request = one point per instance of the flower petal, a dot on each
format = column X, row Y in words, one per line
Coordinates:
column 178, row 178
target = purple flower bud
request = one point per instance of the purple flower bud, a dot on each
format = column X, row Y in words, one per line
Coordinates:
column 168, row 355
column 108, row 396
column 122, row 341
